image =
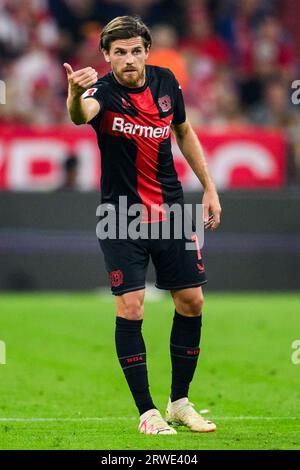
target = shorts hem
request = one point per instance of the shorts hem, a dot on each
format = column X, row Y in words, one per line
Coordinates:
column 130, row 289
column 185, row 286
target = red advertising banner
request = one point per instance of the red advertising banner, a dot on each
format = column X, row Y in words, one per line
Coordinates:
column 31, row 159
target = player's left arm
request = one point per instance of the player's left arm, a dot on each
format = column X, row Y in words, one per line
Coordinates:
column 192, row 150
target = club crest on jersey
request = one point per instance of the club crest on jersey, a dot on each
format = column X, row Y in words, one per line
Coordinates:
column 165, row 103
column 89, row 92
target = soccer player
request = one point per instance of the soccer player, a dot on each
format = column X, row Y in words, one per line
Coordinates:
column 132, row 109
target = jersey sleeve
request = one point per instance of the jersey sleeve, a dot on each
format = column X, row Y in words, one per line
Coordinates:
column 96, row 92
column 179, row 115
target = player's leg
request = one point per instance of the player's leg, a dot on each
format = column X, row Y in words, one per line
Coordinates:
column 126, row 262
column 131, row 352
column 177, row 269
column 182, row 272
column 185, row 339
column 131, row 348
column 185, row 349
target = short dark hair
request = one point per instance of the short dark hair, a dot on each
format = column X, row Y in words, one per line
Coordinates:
column 124, row 27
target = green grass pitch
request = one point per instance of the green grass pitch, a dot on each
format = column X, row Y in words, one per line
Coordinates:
column 62, row 386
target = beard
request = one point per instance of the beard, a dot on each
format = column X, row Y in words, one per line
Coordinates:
column 131, row 79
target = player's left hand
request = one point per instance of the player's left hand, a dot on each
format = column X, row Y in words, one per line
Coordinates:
column 211, row 205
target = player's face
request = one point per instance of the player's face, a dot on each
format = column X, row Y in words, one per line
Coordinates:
column 127, row 58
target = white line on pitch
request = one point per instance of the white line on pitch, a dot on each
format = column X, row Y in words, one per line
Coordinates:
column 117, row 418
column 260, row 418
column 43, row 420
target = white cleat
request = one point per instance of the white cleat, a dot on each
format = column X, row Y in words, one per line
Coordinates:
column 152, row 422
column 182, row 413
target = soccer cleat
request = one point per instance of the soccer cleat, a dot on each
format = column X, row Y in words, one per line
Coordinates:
column 182, row 413
column 153, row 423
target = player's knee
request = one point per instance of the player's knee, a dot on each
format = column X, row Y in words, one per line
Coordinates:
column 194, row 306
column 133, row 309
column 191, row 306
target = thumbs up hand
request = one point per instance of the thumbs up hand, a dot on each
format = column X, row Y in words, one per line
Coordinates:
column 80, row 80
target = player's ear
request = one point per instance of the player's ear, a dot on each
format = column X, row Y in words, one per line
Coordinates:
column 147, row 50
column 106, row 55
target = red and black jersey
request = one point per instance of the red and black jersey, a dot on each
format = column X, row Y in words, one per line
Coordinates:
column 133, row 131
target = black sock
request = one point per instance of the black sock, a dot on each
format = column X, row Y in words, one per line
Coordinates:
column 184, row 347
column 132, row 357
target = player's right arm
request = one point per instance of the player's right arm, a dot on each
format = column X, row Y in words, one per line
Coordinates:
column 81, row 111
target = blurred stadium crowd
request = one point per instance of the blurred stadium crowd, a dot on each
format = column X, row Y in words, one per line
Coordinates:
column 235, row 59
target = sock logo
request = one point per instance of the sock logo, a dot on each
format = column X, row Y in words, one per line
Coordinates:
column 193, row 352
column 134, row 359
column 184, row 352
column 131, row 361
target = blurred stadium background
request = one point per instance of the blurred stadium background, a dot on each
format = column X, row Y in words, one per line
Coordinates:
column 236, row 61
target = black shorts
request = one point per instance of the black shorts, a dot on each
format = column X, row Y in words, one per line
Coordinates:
column 126, row 262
